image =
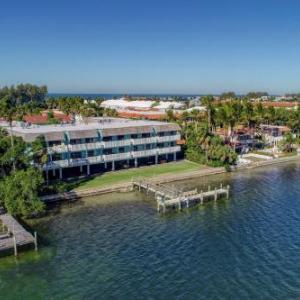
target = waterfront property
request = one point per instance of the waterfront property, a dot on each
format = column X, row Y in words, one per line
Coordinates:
column 102, row 144
column 273, row 133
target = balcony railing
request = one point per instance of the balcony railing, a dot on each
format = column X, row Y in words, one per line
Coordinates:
column 169, row 150
column 78, row 162
column 144, row 153
column 168, row 138
column 56, row 164
column 58, row 149
column 114, row 144
column 143, row 141
column 94, row 146
column 111, row 144
column 77, row 147
column 110, row 157
column 117, row 156
column 95, row 159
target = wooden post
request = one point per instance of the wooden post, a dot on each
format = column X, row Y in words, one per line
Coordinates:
column 164, row 207
column 227, row 191
column 158, row 206
column 201, row 197
column 15, row 246
column 216, row 195
column 187, row 203
column 35, row 241
column 221, row 185
column 179, row 205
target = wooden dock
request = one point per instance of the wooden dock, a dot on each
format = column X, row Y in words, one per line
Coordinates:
column 168, row 197
column 14, row 235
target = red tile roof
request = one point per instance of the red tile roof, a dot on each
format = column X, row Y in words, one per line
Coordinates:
column 43, row 117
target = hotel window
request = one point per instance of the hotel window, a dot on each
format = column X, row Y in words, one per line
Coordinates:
column 75, row 155
column 107, row 151
column 146, row 135
column 91, row 140
column 56, row 156
column 90, row 153
column 75, row 141
column 107, row 138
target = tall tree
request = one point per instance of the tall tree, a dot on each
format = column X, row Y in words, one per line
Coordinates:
column 207, row 101
column 19, row 192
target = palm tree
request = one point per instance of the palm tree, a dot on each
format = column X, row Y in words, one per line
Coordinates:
column 207, row 101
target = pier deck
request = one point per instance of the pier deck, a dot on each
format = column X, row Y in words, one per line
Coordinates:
column 168, row 197
column 14, row 235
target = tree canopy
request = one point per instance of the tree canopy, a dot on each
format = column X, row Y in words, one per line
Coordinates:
column 20, row 181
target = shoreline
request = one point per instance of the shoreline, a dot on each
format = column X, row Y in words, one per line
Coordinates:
column 126, row 186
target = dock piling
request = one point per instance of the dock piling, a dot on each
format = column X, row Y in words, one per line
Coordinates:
column 15, row 246
column 35, row 241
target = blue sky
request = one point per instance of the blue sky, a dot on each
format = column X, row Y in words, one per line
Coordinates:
column 132, row 46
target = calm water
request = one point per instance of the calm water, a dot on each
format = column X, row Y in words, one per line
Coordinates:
column 118, row 247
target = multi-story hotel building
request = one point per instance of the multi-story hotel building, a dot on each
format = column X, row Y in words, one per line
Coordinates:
column 103, row 144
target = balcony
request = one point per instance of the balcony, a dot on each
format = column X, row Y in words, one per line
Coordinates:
column 56, row 164
column 117, row 156
column 74, row 162
column 93, row 146
column 169, row 150
column 144, row 153
column 168, row 138
column 77, row 147
column 114, row 144
column 95, row 159
column 108, row 158
column 58, row 149
column 143, row 141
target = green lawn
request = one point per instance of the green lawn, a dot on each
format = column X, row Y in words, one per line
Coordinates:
column 122, row 176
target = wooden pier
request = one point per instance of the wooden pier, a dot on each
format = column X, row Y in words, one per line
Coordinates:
column 14, row 235
column 168, row 197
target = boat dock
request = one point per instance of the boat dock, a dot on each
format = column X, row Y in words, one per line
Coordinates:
column 13, row 235
column 168, row 197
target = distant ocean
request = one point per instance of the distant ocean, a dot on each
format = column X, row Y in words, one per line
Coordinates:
column 110, row 96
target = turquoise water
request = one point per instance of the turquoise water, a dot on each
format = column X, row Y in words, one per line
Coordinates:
column 119, row 247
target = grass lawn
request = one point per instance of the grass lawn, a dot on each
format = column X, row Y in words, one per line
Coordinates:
column 122, row 176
